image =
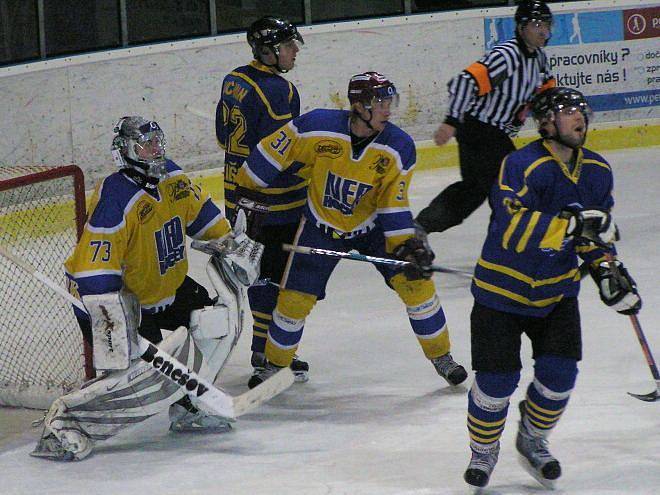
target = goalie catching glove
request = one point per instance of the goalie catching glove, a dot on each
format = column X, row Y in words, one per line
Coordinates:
column 590, row 226
column 617, row 288
column 240, row 253
column 417, row 251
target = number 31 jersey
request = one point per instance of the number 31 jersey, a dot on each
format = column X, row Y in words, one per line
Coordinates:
column 136, row 240
column 255, row 102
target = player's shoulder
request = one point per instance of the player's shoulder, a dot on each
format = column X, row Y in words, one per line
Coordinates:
column 529, row 154
column 398, row 142
column 394, row 134
column 322, row 119
column 262, row 77
column 115, row 194
column 591, row 157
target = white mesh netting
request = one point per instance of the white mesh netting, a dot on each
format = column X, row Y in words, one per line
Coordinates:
column 41, row 351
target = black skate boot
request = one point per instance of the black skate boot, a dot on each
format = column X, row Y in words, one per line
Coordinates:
column 299, row 368
column 262, row 372
column 481, row 465
column 449, row 369
column 535, row 457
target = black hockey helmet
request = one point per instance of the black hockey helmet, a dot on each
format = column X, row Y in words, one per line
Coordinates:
column 553, row 100
column 532, row 10
column 269, row 32
column 370, row 87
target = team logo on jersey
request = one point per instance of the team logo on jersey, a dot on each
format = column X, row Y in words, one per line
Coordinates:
column 343, row 194
column 179, row 190
column 171, row 245
column 380, row 165
column 144, row 210
column 329, row 148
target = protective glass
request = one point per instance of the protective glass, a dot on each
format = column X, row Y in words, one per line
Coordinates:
column 385, row 103
column 569, row 110
column 150, row 146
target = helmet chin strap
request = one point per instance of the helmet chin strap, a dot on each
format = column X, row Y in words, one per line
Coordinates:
column 367, row 122
column 276, row 51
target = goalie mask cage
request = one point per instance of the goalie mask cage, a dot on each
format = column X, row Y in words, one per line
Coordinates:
column 42, row 355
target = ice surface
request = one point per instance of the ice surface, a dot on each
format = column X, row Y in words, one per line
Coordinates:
column 376, row 419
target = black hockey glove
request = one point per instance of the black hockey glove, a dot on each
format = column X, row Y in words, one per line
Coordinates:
column 419, row 254
column 617, row 288
column 594, row 227
column 255, row 206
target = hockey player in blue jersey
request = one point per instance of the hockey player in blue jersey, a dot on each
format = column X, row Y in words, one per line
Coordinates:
column 256, row 100
column 551, row 205
column 360, row 166
column 130, row 268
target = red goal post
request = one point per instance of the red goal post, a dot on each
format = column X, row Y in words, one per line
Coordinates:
column 42, row 215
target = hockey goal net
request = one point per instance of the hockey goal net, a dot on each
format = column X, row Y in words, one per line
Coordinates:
column 42, row 214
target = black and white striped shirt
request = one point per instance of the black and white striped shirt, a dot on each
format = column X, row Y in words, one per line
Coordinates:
column 498, row 88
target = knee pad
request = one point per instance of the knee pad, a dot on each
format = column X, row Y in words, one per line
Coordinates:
column 215, row 331
column 294, row 304
column 412, row 292
column 491, row 391
column 555, row 376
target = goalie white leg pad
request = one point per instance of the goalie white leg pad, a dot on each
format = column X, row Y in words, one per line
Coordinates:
column 115, row 318
column 215, row 330
column 122, row 398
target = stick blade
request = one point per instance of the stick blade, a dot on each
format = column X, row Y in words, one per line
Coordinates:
column 651, row 397
column 263, row 392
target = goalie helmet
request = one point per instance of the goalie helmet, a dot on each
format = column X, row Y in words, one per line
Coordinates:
column 533, row 10
column 139, row 144
column 371, row 87
column 546, row 104
column 269, row 32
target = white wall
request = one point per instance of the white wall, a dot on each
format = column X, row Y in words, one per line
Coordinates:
column 62, row 111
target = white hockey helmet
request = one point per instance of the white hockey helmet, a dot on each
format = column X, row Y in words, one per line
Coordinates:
column 140, row 144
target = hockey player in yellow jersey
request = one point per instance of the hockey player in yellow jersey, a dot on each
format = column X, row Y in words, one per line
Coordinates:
column 360, row 166
column 129, row 269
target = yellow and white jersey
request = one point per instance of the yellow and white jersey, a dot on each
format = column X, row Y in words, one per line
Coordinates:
column 347, row 196
column 135, row 240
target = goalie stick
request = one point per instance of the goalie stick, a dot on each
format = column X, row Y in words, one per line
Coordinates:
column 646, row 350
column 354, row 255
column 208, row 394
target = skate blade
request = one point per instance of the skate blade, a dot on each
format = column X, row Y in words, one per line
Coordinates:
column 200, row 430
column 534, row 473
column 53, row 456
column 300, row 376
column 652, row 397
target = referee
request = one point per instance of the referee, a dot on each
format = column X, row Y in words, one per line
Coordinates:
column 488, row 102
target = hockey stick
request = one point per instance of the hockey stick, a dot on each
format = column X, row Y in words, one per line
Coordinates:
column 194, row 385
column 354, row 255
column 646, row 349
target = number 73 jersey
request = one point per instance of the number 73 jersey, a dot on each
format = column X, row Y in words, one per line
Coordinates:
column 136, row 240
column 348, row 195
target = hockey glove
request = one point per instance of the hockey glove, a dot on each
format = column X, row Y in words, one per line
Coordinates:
column 617, row 288
column 594, row 227
column 240, row 253
column 255, row 206
column 420, row 256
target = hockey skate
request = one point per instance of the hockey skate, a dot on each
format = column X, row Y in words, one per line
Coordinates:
column 186, row 418
column 535, row 457
column 481, row 466
column 300, row 369
column 74, row 446
column 449, row 369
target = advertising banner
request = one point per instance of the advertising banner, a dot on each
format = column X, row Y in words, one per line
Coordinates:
column 612, row 56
